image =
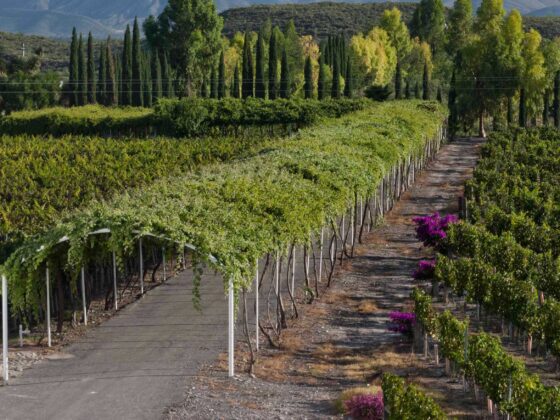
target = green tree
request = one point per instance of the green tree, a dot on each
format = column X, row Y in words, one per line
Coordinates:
column 428, row 23
column 112, row 98
column 426, row 83
column 168, row 85
column 392, row 23
column 308, row 87
column 192, row 31
column 137, row 83
column 522, row 109
column 295, row 55
column 407, row 92
column 335, row 87
column 222, row 77
column 82, row 73
column 398, row 82
column 126, row 67
column 459, row 27
column 349, row 80
column 556, row 102
column 102, row 85
column 73, row 70
column 452, row 106
column 285, row 91
column 273, row 66
column 214, row 83
column 439, row 95
column 322, row 82
column 92, row 85
column 235, row 88
column 247, row 75
column 157, row 83
column 417, row 93
column 260, row 86
column 533, row 75
column 511, row 59
column 147, row 81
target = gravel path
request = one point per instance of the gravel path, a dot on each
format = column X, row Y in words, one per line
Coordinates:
column 341, row 340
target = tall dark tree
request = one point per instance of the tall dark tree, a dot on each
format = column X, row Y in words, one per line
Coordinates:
column 102, row 84
column 260, row 85
column 247, row 75
column 349, row 81
column 73, row 70
column 452, row 106
column 522, row 109
column 407, row 91
column 285, row 91
column 439, row 95
column 137, row 85
column 126, row 66
column 222, row 77
column 426, row 83
column 398, row 81
column 92, row 85
column 335, row 87
column 235, row 88
column 308, row 73
column 110, row 79
column 204, row 89
column 82, row 73
column 546, row 108
column 509, row 111
column 147, row 80
column 322, row 82
column 213, row 83
column 417, row 93
column 556, row 102
column 168, row 86
column 272, row 66
column 157, row 85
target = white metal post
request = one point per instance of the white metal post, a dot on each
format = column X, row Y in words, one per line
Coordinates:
column 321, row 257
column 257, row 306
column 141, row 266
column 231, row 356
column 115, row 281
column 84, row 304
column 277, row 274
column 294, row 271
column 5, row 329
column 49, row 341
column 163, row 256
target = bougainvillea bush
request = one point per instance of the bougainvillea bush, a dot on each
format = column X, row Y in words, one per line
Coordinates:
column 425, row 270
column 431, row 230
column 402, row 322
column 366, row 407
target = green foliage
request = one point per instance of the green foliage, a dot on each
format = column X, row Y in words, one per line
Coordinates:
column 20, row 91
column 238, row 212
column 308, row 87
column 285, row 78
column 92, row 83
column 247, row 75
column 137, row 86
column 125, row 96
column 273, row 66
column 407, row 402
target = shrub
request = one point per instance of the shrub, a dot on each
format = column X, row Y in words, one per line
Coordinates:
column 425, row 270
column 366, row 407
column 431, row 230
column 402, row 322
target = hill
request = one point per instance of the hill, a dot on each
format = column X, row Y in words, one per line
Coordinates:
column 546, row 11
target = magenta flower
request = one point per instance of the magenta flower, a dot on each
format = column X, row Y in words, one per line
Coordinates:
column 425, row 270
column 366, row 407
column 402, row 322
column 430, row 230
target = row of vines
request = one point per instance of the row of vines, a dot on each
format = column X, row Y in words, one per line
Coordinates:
column 504, row 259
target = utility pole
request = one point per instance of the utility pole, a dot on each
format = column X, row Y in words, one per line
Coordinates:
column 23, row 49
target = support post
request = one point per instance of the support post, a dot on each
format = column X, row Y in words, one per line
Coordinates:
column 141, row 266
column 163, row 262
column 49, row 340
column 231, row 356
column 257, row 306
column 5, row 330
column 84, row 305
column 321, row 257
column 115, row 281
column 294, row 271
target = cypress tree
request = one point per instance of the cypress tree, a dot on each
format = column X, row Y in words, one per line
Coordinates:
column 556, row 103
column 439, row 95
column 82, row 73
column 426, row 83
column 348, row 82
column 398, row 81
column 272, row 66
column 335, row 88
column 118, row 77
column 168, row 90
column 157, row 86
column 73, row 70
column 203, row 88
column 110, row 75
column 137, row 94
column 522, row 109
column 235, row 88
column 101, row 86
column 285, row 77
column 509, row 111
column 247, row 77
column 308, row 73
column 260, row 86
column 126, row 74
column 322, row 82
column 546, row 109
column 213, row 84
column 452, row 105
column 222, row 77
column 407, row 92
column 147, row 80
column 92, row 85
column 417, row 93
